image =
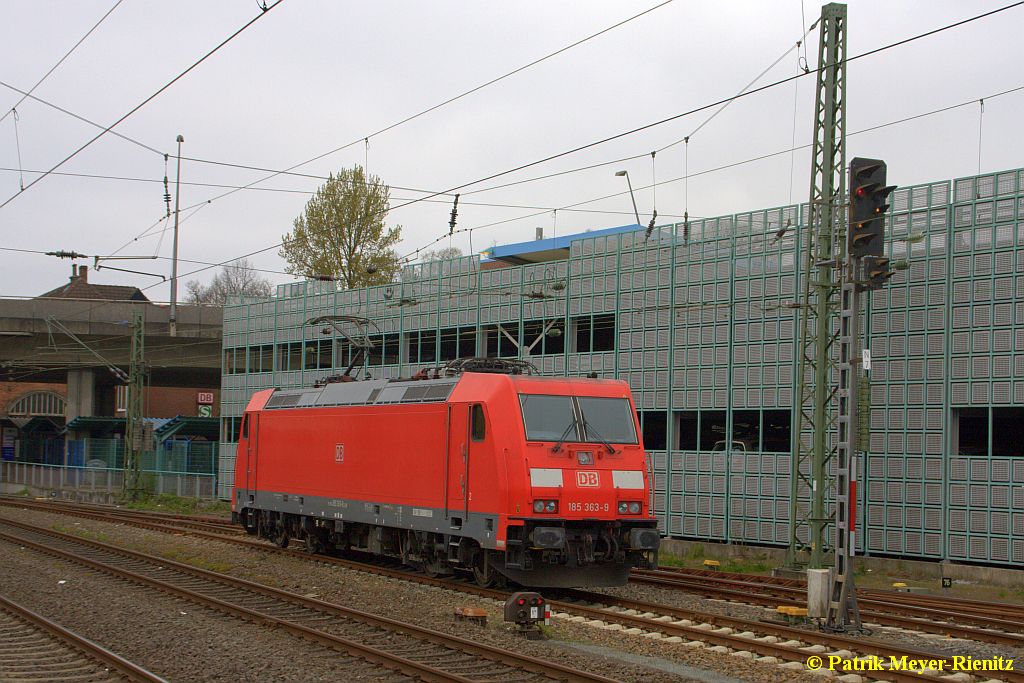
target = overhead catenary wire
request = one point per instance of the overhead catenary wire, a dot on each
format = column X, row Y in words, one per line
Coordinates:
column 61, row 60
column 365, row 138
column 796, row 102
column 665, row 120
column 762, row 157
column 146, row 101
column 746, row 93
column 17, row 143
column 79, row 117
column 981, row 122
column 749, row 85
column 573, row 207
column 712, row 105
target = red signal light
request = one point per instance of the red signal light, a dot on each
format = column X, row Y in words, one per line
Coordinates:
column 522, row 601
column 860, row 192
column 537, row 600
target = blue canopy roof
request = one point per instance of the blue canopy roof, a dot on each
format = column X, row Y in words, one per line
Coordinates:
column 550, row 249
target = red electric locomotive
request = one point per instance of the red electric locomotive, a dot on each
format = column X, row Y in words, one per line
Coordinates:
column 542, row 480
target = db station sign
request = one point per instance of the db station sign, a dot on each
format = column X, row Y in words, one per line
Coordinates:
column 204, row 400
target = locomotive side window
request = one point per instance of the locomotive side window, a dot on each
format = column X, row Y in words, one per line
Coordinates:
column 479, row 426
column 607, row 419
column 245, row 427
column 548, row 418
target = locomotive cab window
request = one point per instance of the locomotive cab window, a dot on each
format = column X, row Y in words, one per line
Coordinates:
column 245, row 427
column 478, row 424
column 548, row 418
column 607, row 419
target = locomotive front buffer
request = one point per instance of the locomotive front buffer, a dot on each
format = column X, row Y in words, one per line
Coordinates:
column 527, row 610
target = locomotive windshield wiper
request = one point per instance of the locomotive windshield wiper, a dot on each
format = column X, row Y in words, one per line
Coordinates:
column 589, row 428
column 565, row 435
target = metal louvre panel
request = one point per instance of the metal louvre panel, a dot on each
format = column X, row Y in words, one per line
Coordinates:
column 957, row 520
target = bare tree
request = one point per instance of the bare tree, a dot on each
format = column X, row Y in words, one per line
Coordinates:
column 237, row 278
column 443, row 254
column 341, row 233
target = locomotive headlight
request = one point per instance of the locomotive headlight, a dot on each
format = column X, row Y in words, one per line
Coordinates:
column 545, row 506
column 629, row 507
column 634, row 508
column 623, row 508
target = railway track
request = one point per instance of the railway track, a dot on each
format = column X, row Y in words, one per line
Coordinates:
column 953, row 618
column 34, row 648
column 982, row 607
column 1003, row 626
column 780, row 642
column 411, row 650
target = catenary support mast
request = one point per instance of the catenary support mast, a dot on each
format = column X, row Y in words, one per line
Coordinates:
column 824, row 253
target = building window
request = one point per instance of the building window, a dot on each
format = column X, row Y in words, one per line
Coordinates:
column 229, row 428
column 422, row 346
column 458, row 342
column 542, row 337
column 261, row 358
column 654, row 424
column 343, row 353
column 766, row 431
column 385, row 349
column 317, row 355
column 234, row 360
column 503, row 340
column 594, row 333
column 973, row 427
column 121, row 398
column 289, row 356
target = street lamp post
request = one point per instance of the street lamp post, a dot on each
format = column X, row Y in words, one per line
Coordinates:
column 174, row 259
column 630, row 185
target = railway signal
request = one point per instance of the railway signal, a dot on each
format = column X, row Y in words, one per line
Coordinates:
column 868, row 203
column 876, row 272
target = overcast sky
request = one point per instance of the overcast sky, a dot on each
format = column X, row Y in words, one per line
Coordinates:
column 310, row 76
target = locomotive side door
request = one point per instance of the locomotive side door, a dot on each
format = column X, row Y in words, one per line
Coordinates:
column 456, row 481
column 250, row 431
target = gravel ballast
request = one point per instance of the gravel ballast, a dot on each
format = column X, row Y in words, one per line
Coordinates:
column 571, row 644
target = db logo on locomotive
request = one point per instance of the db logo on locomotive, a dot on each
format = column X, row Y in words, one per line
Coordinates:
column 587, row 480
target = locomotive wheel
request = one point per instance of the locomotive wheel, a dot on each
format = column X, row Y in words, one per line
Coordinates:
column 483, row 573
column 280, row 536
column 313, row 544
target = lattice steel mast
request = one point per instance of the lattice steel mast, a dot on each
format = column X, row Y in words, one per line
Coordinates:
column 825, row 250
column 134, row 426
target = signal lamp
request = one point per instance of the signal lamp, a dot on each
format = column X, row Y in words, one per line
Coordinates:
column 868, row 204
column 876, row 271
